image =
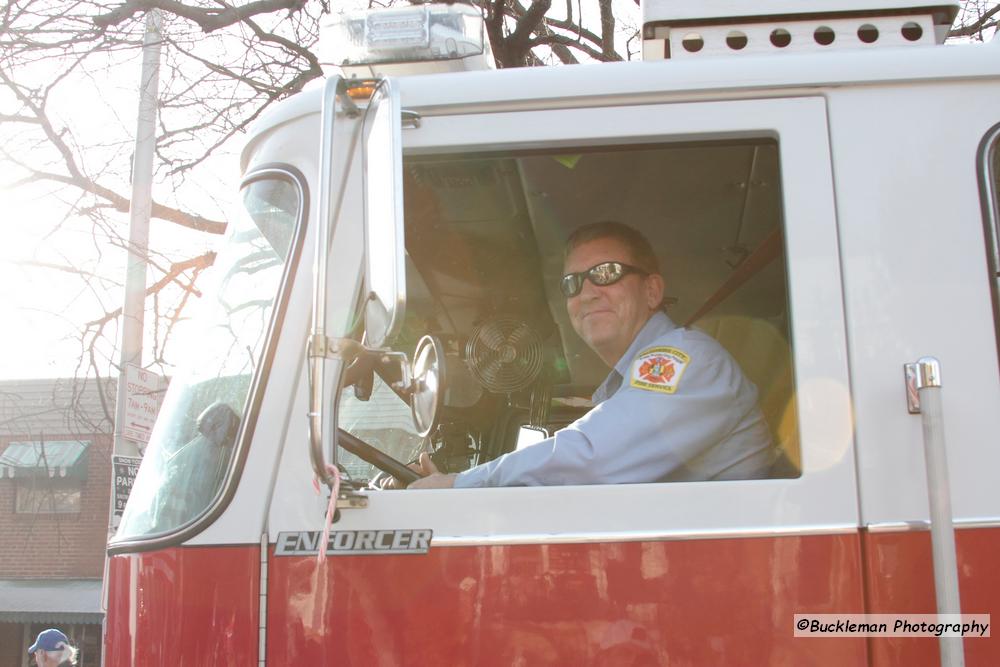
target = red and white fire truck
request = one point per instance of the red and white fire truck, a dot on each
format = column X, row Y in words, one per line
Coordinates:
column 819, row 181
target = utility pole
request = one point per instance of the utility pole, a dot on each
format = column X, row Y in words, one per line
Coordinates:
column 130, row 342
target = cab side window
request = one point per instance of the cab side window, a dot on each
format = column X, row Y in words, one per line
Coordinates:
column 485, row 238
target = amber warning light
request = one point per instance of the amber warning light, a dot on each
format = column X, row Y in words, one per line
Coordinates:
column 360, row 91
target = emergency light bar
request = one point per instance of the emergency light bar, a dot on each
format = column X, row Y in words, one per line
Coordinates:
column 405, row 35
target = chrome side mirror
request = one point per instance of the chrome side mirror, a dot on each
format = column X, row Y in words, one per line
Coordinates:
column 385, row 268
column 428, row 384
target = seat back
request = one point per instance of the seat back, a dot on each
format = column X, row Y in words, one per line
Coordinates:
column 764, row 354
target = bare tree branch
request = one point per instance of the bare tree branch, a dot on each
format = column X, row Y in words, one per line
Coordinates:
column 985, row 21
column 207, row 19
column 77, row 178
column 200, row 262
column 607, row 30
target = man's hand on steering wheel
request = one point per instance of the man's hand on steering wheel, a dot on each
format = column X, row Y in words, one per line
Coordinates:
column 431, row 477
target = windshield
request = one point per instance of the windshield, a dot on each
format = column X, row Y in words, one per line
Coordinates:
column 383, row 421
column 192, row 444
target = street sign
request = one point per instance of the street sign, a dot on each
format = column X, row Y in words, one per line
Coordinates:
column 125, row 469
column 142, row 402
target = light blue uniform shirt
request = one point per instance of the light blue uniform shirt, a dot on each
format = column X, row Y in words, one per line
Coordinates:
column 676, row 407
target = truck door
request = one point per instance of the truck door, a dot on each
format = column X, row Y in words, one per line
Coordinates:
column 736, row 197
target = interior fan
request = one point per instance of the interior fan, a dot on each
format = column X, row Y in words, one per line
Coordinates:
column 504, row 355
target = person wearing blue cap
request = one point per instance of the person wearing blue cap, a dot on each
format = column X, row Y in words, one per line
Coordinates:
column 52, row 649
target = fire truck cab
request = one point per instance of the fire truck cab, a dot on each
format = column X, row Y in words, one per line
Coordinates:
column 821, row 191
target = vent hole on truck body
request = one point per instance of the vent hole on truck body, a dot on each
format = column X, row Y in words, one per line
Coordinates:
column 693, row 42
column 912, row 31
column 736, row 40
column 781, row 38
column 824, row 35
column 868, row 33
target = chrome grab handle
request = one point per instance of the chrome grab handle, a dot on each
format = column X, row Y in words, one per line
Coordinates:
column 924, row 381
column 318, row 344
column 321, row 349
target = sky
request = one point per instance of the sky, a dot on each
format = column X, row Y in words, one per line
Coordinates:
column 40, row 305
column 42, row 301
column 58, row 273
column 44, row 298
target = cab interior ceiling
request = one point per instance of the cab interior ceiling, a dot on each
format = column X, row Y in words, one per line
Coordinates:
column 485, row 235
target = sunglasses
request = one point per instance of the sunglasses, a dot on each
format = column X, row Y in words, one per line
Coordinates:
column 605, row 273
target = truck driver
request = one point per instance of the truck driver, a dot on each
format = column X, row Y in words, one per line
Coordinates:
column 675, row 407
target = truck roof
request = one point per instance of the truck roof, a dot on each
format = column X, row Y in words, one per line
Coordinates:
column 707, row 10
column 662, row 80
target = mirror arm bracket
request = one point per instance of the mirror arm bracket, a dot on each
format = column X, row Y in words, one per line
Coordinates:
column 343, row 349
column 410, row 119
column 405, row 384
column 347, row 350
column 350, row 108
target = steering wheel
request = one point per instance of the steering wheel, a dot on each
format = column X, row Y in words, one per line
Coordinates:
column 380, row 460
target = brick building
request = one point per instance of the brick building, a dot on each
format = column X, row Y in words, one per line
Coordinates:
column 55, row 478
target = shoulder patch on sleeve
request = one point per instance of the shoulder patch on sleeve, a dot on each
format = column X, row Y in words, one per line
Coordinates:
column 659, row 369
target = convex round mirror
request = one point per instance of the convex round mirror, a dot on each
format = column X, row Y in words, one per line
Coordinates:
column 428, row 384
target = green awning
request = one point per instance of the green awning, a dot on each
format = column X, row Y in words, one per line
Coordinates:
column 44, row 458
column 50, row 601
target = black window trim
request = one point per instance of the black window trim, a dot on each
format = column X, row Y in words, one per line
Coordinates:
column 990, row 200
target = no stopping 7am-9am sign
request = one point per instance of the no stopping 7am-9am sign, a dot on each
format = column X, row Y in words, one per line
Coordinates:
column 142, row 402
